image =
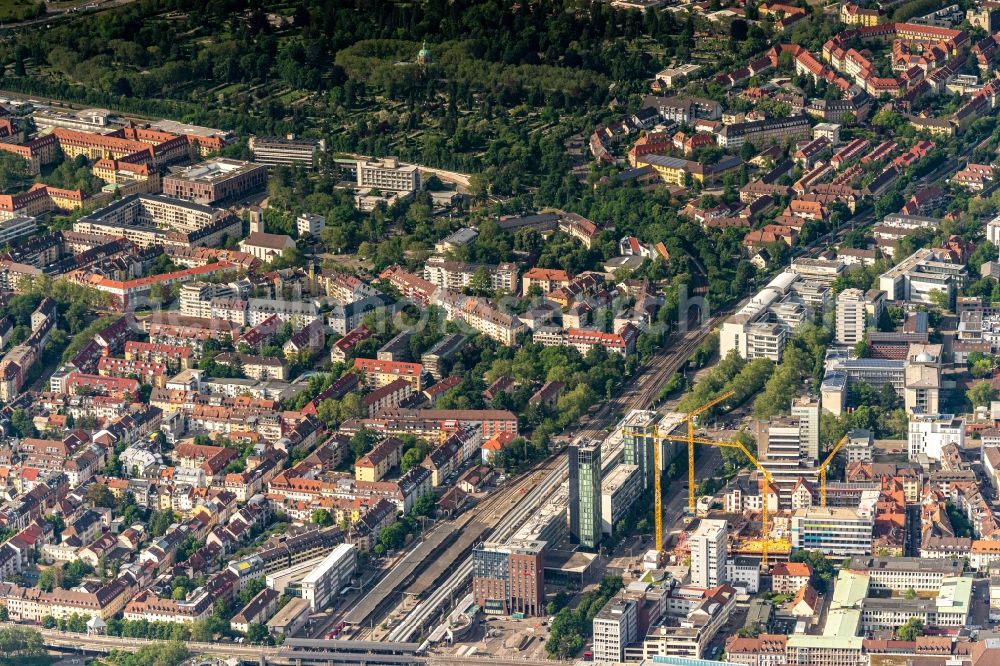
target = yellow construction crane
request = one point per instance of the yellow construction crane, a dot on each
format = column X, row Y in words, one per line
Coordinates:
column 822, row 469
column 768, row 480
column 657, row 485
column 691, row 416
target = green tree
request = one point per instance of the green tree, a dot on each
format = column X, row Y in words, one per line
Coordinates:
column 48, row 580
column 13, row 172
column 911, row 629
column 20, row 642
column 940, row 299
column 425, row 505
column 322, row 518
column 257, row 633
column 100, row 495
column 981, row 394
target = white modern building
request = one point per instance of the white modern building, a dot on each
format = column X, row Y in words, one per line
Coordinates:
column 743, row 573
column 993, row 231
column 619, row 490
column 16, row 227
column 388, row 174
column 930, row 433
column 335, row 571
column 615, row 626
column 807, row 410
column 904, row 573
column 921, row 274
column 709, row 549
column 761, row 328
column 310, row 224
column 850, row 316
column 837, row 531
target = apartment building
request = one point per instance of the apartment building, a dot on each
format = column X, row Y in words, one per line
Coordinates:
column 763, row 132
column 545, row 279
column 256, row 367
column 309, row 224
column 287, row 151
column 131, row 294
column 585, row 339
column 344, row 318
column 216, row 180
column 148, row 372
column 378, row 373
column 15, row 227
column 175, row 358
column 435, row 358
column 430, row 423
column 709, row 549
column 299, row 313
column 929, row 434
column 411, row 287
column 376, row 463
column 388, row 174
column 836, row 531
column 153, row 211
column 614, row 627
column 481, row 315
column 790, row 577
column 509, row 578
column 458, row 275
column 851, row 317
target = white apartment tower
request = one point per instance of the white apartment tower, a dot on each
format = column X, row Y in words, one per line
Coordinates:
column 615, row 626
column 708, row 553
column 850, row 316
column 783, row 446
column 807, row 409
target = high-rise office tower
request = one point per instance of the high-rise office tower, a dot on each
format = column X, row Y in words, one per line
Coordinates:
column 585, row 492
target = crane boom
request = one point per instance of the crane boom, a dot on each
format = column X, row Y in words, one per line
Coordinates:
column 823, row 467
column 690, row 433
column 765, row 486
column 711, row 403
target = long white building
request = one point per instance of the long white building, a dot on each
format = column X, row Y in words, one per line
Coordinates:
column 388, row 174
column 761, row 328
column 335, row 571
column 837, row 531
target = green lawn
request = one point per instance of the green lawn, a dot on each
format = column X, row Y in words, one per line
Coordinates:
column 39, row 660
column 18, row 10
